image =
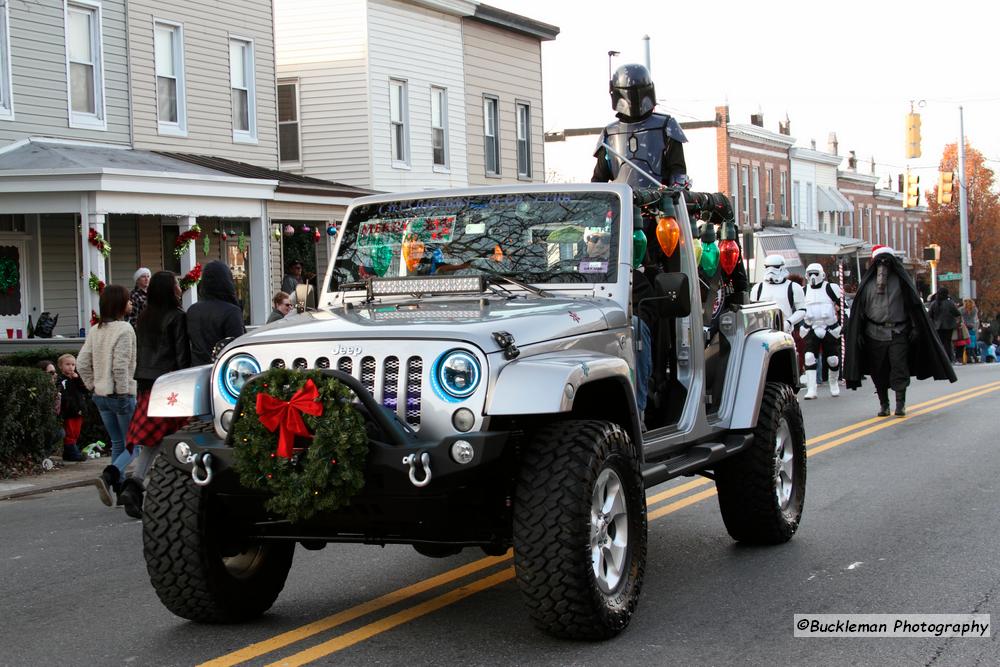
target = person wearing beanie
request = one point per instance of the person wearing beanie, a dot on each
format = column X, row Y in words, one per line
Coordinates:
column 137, row 297
column 889, row 334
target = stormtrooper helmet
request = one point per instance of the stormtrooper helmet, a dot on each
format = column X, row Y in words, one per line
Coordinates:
column 815, row 274
column 774, row 269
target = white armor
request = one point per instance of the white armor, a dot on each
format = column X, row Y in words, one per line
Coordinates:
column 777, row 288
column 821, row 301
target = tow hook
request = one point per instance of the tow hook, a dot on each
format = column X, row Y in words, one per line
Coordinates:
column 202, row 461
column 424, row 461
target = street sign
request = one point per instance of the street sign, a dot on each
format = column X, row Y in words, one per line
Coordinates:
column 951, row 275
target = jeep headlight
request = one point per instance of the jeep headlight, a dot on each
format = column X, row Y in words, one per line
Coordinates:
column 458, row 374
column 235, row 373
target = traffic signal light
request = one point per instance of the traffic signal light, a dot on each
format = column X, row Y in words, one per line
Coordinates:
column 911, row 190
column 912, row 135
column 932, row 253
column 945, row 185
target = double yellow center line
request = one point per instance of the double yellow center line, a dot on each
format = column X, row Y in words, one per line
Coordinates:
column 817, row 445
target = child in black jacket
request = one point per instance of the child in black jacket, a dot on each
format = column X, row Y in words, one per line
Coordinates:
column 73, row 406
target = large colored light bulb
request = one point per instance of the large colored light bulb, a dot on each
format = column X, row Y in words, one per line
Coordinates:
column 709, row 258
column 729, row 255
column 668, row 233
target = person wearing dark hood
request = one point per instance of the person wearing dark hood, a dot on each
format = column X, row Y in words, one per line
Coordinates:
column 217, row 315
column 889, row 335
column 945, row 315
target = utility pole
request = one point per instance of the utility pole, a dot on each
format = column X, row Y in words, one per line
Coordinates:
column 645, row 43
column 963, row 210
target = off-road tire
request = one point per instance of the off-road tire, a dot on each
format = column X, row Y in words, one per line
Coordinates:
column 181, row 533
column 560, row 466
column 749, row 483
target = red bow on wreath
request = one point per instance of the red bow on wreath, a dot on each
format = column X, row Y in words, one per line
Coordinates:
column 286, row 416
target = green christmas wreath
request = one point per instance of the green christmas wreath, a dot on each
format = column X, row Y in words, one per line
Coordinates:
column 304, row 473
column 9, row 275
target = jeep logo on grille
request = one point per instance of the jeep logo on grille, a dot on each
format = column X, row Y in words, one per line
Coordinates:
column 346, row 350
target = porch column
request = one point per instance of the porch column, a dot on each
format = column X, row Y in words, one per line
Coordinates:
column 259, row 269
column 188, row 260
column 92, row 263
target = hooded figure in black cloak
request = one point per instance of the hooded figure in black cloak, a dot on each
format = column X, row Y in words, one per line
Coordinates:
column 890, row 336
column 217, row 315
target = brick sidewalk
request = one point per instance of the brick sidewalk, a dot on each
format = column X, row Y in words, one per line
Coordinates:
column 65, row 476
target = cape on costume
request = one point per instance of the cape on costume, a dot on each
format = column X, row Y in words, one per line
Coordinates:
column 927, row 358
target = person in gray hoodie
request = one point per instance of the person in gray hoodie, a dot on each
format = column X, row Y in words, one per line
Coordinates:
column 217, row 315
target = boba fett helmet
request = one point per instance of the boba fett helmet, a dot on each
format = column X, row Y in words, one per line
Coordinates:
column 633, row 96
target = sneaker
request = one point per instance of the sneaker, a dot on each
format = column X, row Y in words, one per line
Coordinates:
column 107, row 484
column 72, row 453
column 131, row 497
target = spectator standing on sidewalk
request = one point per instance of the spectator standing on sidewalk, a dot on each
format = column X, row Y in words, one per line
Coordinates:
column 217, row 315
column 107, row 366
column 970, row 318
column 49, row 368
column 138, row 295
column 161, row 347
column 73, row 405
column 945, row 315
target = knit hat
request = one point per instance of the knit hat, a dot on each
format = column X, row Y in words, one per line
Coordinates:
column 140, row 273
column 880, row 249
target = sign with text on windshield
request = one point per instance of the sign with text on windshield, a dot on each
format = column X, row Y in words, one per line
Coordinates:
column 379, row 232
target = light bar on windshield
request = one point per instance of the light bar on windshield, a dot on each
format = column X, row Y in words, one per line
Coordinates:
column 390, row 286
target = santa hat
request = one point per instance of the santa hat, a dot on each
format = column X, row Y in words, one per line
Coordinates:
column 881, row 249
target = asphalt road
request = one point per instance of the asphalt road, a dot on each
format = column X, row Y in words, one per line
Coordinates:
column 901, row 516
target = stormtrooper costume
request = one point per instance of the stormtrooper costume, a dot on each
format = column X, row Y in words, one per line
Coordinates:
column 778, row 288
column 821, row 328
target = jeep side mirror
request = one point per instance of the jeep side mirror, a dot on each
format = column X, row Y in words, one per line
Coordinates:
column 673, row 295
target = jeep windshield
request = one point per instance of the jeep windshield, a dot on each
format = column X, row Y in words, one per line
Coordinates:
column 541, row 237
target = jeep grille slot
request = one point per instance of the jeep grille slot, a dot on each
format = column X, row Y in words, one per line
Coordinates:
column 414, row 378
column 300, row 364
column 322, row 362
column 278, row 363
column 368, row 374
column 345, row 365
column 390, row 383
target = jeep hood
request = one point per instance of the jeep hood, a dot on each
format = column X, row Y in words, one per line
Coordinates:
column 529, row 320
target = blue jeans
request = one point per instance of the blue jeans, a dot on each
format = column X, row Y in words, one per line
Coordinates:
column 116, row 413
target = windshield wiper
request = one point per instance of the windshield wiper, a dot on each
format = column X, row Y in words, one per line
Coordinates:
column 495, row 276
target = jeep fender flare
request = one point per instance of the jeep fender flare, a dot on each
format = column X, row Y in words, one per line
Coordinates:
column 550, row 383
column 767, row 356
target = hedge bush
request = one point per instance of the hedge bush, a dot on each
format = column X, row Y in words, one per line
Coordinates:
column 93, row 427
column 29, row 426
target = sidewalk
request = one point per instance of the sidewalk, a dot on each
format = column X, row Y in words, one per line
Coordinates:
column 65, row 476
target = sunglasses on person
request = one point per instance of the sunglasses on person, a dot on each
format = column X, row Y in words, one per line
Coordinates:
column 285, row 304
column 596, row 238
column 51, row 372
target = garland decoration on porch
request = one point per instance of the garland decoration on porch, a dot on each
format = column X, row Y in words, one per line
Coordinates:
column 96, row 284
column 298, row 437
column 206, row 244
column 95, row 319
column 185, row 239
column 10, row 277
column 191, row 278
column 98, row 242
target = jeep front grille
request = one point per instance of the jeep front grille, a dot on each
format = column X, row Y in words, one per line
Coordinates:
column 384, row 379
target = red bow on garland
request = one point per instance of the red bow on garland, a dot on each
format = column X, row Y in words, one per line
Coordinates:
column 286, row 416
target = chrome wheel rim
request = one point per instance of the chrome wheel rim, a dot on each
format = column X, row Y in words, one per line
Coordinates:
column 784, row 464
column 608, row 530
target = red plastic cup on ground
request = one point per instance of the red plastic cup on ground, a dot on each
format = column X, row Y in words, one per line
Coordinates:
column 20, row 334
column 10, row 333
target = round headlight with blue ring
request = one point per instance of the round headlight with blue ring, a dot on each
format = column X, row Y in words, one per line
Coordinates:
column 458, row 374
column 235, row 373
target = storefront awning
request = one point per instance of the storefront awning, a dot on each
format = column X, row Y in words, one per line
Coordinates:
column 810, row 242
column 779, row 244
column 829, row 199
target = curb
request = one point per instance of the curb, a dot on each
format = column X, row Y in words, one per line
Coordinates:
column 45, row 489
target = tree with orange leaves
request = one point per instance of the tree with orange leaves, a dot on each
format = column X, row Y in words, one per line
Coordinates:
column 984, row 226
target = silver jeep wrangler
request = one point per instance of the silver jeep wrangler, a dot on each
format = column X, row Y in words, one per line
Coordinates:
column 528, row 365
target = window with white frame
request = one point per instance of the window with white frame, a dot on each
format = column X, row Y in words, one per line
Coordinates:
column 241, row 82
column 734, row 187
column 796, row 199
column 745, row 190
column 878, row 228
column 398, row 112
column 523, row 140
column 84, row 64
column 288, row 121
column 168, row 47
column 810, row 219
column 770, row 188
column 6, row 89
column 491, row 134
column 439, row 126
column 756, row 195
column 784, row 187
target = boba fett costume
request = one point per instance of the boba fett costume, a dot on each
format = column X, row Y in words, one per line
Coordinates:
column 654, row 142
